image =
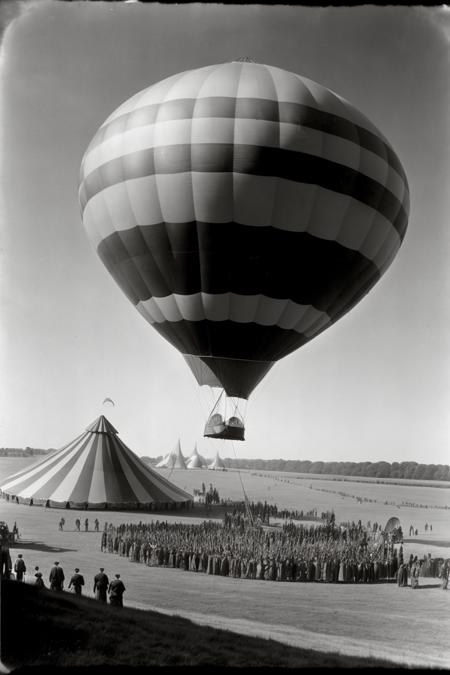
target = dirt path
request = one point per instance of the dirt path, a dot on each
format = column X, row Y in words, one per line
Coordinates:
column 382, row 620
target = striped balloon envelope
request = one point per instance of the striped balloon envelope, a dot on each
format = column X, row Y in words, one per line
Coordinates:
column 243, row 209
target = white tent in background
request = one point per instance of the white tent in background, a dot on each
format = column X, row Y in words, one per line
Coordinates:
column 162, row 464
column 196, row 461
column 173, row 460
column 176, row 460
column 94, row 471
column 217, row 464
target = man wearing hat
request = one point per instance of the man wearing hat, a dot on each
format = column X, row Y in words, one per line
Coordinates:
column 77, row 581
column 116, row 590
column 101, row 583
column 56, row 577
column 19, row 568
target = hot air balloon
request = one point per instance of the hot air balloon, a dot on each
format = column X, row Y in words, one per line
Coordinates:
column 243, row 209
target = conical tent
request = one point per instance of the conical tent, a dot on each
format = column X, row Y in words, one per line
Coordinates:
column 95, row 471
column 217, row 464
column 162, row 464
column 176, row 459
column 196, row 461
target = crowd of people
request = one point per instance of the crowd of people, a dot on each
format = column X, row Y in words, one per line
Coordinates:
column 365, row 499
column 102, row 586
column 264, row 511
column 238, row 547
column 244, row 545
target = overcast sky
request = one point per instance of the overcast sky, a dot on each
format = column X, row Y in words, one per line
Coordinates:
column 375, row 386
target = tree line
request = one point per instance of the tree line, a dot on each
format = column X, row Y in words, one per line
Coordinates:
column 411, row 470
column 24, row 452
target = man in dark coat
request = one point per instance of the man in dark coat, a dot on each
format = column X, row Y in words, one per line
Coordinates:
column 116, row 590
column 77, row 581
column 101, row 583
column 5, row 563
column 444, row 574
column 19, row 568
column 56, row 578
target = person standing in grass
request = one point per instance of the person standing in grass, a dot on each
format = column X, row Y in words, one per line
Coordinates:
column 116, row 590
column 101, row 583
column 78, row 524
column 39, row 580
column 86, row 525
column 415, row 571
column 77, row 581
column 444, row 575
column 402, row 578
column 56, row 578
column 20, row 568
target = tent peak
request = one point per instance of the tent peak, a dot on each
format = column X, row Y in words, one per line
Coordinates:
column 102, row 426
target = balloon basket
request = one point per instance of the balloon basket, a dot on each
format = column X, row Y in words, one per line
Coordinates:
column 232, row 429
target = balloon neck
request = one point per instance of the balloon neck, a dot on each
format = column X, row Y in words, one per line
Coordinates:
column 238, row 377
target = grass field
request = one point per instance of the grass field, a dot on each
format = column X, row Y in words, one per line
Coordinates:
column 380, row 620
column 66, row 631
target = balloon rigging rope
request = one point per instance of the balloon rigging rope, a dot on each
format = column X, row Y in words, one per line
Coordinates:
column 218, row 401
column 247, row 506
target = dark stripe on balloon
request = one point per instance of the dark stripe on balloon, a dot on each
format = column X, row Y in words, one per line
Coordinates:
column 246, row 159
column 231, row 343
column 251, row 341
column 231, row 340
column 186, row 258
column 255, row 109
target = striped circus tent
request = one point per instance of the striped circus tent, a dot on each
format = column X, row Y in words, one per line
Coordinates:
column 96, row 471
column 243, row 209
column 217, row 464
column 196, row 461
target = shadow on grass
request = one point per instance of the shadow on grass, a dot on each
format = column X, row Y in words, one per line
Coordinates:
column 40, row 546
column 66, row 632
column 428, row 542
